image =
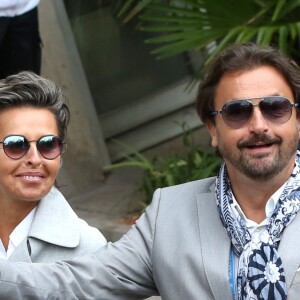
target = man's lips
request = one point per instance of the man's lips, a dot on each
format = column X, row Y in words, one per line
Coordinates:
column 259, row 141
column 260, row 145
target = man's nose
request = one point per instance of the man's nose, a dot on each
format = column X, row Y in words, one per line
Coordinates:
column 258, row 123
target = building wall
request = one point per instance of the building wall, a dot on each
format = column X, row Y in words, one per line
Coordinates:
column 86, row 153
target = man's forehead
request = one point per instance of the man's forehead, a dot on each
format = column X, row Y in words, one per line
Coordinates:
column 257, row 82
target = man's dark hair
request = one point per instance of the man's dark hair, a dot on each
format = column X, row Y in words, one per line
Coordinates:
column 28, row 89
column 247, row 56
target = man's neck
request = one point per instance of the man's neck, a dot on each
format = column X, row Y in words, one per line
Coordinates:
column 252, row 195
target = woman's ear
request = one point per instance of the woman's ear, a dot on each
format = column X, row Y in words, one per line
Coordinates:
column 60, row 163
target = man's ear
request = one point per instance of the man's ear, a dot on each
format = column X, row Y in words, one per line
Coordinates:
column 212, row 131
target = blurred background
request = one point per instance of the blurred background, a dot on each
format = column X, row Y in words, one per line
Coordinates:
column 130, row 70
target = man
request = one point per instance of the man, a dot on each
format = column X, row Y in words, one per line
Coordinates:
column 235, row 236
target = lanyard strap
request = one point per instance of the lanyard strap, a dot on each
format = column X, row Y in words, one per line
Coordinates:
column 231, row 273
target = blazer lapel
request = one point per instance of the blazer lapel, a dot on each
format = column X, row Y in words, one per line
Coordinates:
column 215, row 246
column 62, row 223
column 21, row 253
column 289, row 249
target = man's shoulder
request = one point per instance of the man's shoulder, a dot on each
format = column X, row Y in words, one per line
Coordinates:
column 181, row 198
column 197, row 186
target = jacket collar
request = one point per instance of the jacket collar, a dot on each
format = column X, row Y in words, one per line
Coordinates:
column 55, row 222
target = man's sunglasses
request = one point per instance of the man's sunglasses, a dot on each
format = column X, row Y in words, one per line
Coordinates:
column 16, row 146
column 276, row 109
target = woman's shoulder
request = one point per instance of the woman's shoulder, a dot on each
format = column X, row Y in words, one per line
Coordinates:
column 90, row 236
column 57, row 223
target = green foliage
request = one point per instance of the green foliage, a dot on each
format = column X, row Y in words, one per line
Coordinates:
column 196, row 163
column 210, row 26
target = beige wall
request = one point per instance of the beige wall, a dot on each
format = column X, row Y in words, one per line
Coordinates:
column 86, row 153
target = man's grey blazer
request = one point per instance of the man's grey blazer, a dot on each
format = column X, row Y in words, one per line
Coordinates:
column 178, row 249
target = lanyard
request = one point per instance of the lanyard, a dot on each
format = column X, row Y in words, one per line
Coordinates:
column 231, row 273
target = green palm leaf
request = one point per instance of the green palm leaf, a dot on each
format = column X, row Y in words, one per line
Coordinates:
column 179, row 26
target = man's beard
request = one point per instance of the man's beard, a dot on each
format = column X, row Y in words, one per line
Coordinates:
column 261, row 166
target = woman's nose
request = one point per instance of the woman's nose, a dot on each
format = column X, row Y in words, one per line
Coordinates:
column 33, row 156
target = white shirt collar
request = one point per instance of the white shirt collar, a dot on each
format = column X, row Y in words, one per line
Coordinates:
column 269, row 208
column 17, row 236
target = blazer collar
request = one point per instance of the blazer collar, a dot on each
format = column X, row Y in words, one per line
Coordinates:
column 215, row 245
column 21, row 253
column 55, row 222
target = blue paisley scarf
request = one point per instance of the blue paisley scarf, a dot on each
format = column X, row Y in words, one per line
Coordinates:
column 260, row 272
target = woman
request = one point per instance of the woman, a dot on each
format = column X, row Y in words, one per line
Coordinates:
column 36, row 222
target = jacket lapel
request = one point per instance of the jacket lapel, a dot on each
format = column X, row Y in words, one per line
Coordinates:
column 62, row 227
column 289, row 249
column 62, row 223
column 215, row 246
column 21, row 253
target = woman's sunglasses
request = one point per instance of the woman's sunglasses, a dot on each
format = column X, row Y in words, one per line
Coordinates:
column 276, row 109
column 16, row 146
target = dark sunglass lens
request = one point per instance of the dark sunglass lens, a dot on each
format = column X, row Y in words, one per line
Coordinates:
column 237, row 113
column 276, row 109
column 15, row 146
column 50, row 146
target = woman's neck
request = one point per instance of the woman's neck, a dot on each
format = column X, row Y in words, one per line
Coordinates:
column 11, row 215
